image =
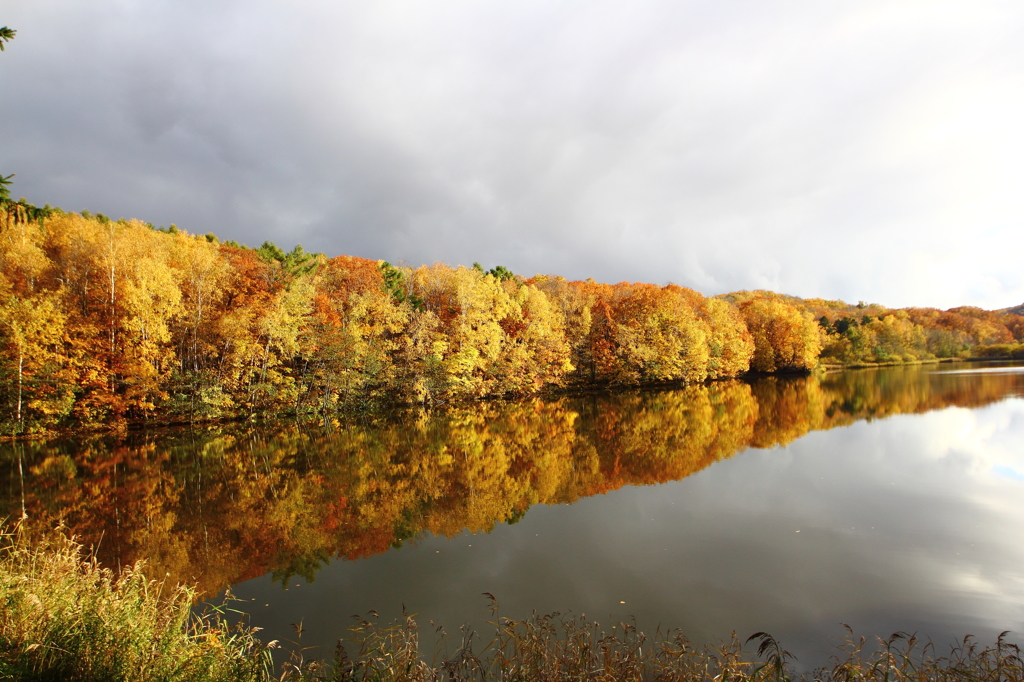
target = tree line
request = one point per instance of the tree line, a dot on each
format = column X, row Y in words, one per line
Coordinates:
column 106, row 322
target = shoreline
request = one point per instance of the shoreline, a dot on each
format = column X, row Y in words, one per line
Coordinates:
column 122, row 428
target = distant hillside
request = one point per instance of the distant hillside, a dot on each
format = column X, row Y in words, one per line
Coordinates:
column 1016, row 310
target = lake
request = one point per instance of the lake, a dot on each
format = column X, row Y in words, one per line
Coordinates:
column 888, row 499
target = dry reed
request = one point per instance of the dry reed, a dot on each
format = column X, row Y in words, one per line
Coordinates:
column 553, row 648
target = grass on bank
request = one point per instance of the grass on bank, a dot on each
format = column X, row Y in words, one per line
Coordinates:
column 63, row 617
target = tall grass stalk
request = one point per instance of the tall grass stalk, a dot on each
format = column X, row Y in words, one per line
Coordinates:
column 553, row 648
column 63, row 617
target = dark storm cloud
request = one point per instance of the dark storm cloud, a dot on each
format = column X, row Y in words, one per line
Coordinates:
column 865, row 151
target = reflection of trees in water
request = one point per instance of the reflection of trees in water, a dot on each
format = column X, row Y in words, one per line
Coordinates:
column 224, row 505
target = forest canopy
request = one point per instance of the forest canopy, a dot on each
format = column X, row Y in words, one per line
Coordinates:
column 105, row 322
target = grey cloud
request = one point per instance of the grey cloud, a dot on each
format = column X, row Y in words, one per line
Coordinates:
column 823, row 150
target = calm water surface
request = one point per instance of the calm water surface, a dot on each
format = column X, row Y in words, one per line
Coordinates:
column 886, row 499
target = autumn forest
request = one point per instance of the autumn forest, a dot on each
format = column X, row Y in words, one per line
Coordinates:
column 105, row 322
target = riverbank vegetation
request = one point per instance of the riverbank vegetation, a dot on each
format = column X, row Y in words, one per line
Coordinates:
column 63, row 617
column 557, row 648
column 66, row 618
column 105, row 323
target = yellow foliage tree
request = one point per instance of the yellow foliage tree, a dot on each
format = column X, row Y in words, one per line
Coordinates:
column 785, row 337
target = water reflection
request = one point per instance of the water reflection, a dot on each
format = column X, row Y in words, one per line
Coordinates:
column 224, row 505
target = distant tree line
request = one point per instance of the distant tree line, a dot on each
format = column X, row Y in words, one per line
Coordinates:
column 104, row 322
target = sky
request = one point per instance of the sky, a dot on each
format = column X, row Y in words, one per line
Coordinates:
column 864, row 150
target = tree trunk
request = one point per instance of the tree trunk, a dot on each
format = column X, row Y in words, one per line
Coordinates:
column 21, row 365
